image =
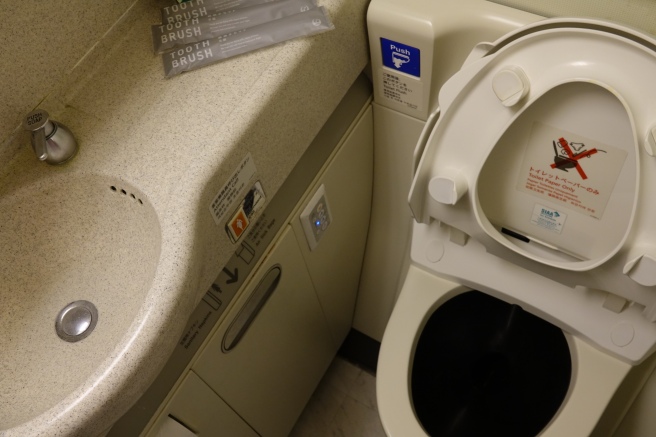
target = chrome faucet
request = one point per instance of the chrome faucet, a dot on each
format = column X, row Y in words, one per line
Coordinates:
column 52, row 141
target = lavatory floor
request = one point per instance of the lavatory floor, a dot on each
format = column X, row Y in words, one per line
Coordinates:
column 343, row 405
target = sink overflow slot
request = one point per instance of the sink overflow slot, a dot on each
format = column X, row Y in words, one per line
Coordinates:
column 125, row 193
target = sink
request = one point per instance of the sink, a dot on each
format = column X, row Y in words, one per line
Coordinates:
column 67, row 237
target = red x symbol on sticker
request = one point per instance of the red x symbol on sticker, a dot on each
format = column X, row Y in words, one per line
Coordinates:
column 572, row 159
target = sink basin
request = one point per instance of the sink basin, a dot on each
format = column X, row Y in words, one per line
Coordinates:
column 65, row 238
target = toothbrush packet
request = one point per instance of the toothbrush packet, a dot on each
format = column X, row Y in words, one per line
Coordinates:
column 200, row 54
column 202, row 8
column 168, row 35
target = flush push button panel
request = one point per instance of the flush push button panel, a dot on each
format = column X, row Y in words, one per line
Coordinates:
column 316, row 218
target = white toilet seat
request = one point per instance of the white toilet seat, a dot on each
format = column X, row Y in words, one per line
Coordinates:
column 550, row 54
column 596, row 376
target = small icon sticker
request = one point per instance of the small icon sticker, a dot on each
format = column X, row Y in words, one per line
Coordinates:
column 239, row 223
column 398, row 59
column 568, row 154
column 548, row 218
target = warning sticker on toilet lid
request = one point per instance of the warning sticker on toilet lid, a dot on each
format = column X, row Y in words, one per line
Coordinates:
column 568, row 169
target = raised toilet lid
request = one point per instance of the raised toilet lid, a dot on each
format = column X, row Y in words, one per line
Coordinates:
column 548, row 124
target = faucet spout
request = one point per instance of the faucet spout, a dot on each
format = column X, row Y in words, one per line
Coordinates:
column 39, row 144
column 52, row 142
column 35, row 122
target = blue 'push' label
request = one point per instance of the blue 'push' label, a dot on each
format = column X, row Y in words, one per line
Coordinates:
column 400, row 57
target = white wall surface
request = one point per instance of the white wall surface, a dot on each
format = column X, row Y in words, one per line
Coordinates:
column 638, row 14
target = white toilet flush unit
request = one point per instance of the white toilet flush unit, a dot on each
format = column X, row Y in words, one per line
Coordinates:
column 529, row 307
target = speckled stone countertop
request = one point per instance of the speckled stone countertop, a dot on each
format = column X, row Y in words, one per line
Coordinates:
column 177, row 141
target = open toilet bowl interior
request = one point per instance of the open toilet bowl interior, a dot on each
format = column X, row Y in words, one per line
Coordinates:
column 582, row 379
column 499, row 370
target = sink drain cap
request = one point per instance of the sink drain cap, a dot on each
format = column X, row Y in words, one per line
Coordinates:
column 76, row 321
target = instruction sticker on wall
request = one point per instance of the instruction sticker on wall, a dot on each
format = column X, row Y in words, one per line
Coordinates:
column 400, row 79
column 231, row 190
column 569, row 169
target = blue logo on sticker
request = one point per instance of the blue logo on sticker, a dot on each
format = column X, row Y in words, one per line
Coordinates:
column 400, row 57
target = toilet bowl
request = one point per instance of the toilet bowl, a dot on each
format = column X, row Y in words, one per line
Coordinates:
column 529, row 298
column 594, row 380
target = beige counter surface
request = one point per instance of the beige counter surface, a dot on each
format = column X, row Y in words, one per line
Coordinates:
column 177, row 141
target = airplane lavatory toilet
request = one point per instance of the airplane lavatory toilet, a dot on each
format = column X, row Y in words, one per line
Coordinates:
column 529, row 306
